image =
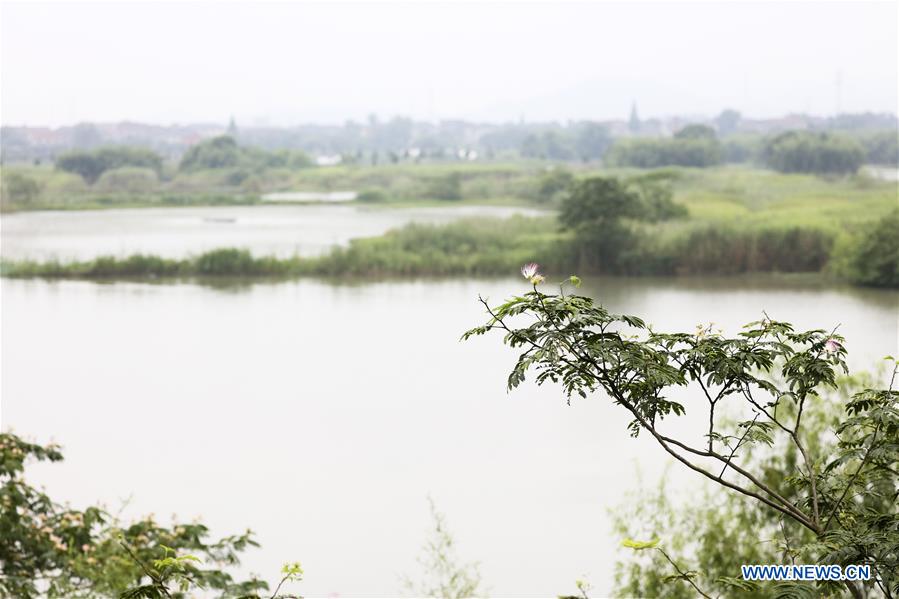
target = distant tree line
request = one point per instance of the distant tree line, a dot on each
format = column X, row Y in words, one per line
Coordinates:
column 808, row 152
column 129, row 168
column 694, row 145
column 91, row 164
column 224, row 152
column 582, row 142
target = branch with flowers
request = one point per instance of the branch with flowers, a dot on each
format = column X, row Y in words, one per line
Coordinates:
column 765, row 376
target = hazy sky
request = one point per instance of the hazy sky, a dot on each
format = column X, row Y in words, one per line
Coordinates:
column 288, row 63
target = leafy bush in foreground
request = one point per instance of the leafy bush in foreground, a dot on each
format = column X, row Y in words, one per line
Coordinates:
column 754, row 393
column 51, row 550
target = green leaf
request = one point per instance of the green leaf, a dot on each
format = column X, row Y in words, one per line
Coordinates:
column 640, row 544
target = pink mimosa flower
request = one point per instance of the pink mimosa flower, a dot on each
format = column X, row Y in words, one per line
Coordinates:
column 529, row 270
column 831, row 346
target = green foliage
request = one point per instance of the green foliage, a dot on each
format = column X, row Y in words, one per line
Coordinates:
column 755, row 391
column 218, row 152
column 444, row 575
column 741, row 220
column 17, row 188
column 553, row 185
column 223, row 152
column 372, row 196
column 656, row 196
column 549, row 145
column 730, row 250
column 128, row 179
column 448, row 187
column 466, row 247
column 585, row 141
column 696, row 132
column 739, row 149
column 697, row 147
column 882, row 148
column 51, row 550
column 596, row 211
column 819, row 153
column 717, row 533
column 91, row 164
column 871, row 257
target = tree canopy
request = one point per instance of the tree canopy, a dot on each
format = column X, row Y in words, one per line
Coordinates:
column 695, row 145
column 598, row 211
column 807, row 152
column 91, row 164
column 753, row 393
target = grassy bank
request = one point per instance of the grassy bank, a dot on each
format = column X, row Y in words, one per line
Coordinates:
column 728, row 194
column 407, row 184
column 486, row 246
column 467, row 247
column 739, row 221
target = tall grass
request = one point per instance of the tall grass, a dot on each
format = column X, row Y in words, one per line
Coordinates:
column 466, row 247
column 485, row 246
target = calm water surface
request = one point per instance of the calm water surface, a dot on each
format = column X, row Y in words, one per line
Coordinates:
column 323, row 415
column 176, row 232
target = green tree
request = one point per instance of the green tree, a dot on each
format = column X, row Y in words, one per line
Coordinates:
column 754, row 392
column 696, row 132
column 710, row 535
column 91, row 164
column 218, row 152
column 692, row 149
column 447, row 187
column 19, row 189
column 552, row 184
column 820, row 153
column 882, row 148
column 871, row 256
column 598, row 211
column 51, row 550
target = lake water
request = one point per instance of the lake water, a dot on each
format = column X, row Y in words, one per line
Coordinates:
column 175, row 232
column 323, row 415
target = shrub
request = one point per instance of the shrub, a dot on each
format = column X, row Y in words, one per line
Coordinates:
column 448, row 187
column 229, row 261
column 372, row 196
column 553, row 184
column 882, row 148
column 90, row 165
column 218, row 152
column 806, row 152
column 679, row 151
column 872, row 256
column 16, row 188
column 128, row 179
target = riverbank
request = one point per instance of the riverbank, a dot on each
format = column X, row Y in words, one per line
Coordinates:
column 497, row 247
column 738, row 220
